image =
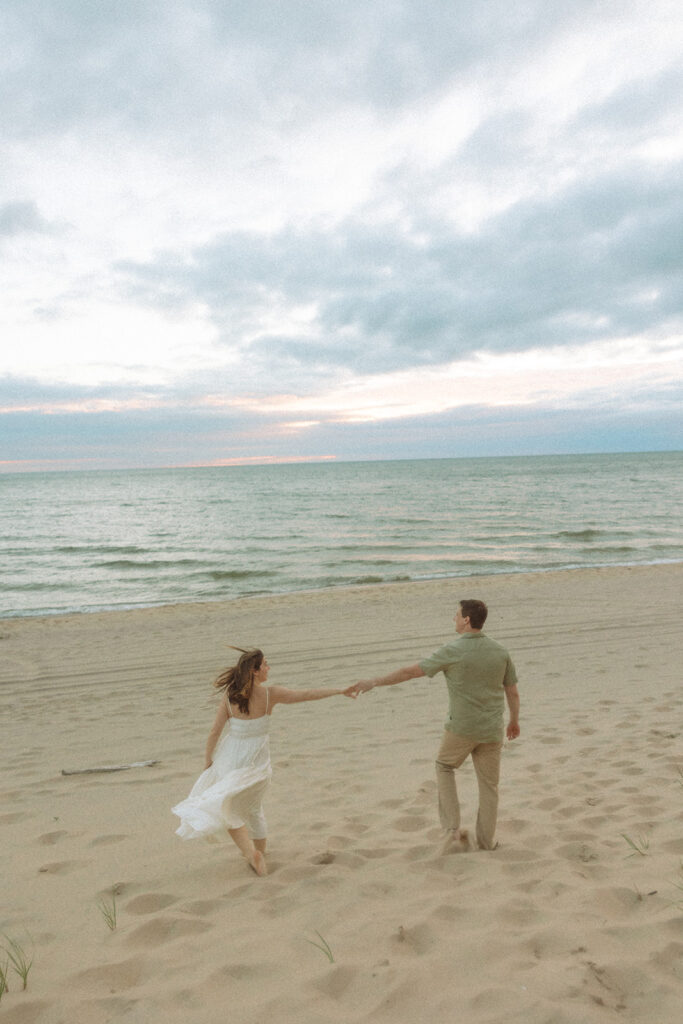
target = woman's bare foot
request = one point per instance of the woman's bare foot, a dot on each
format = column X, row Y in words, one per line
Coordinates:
column 257, row 862
column 249, row 850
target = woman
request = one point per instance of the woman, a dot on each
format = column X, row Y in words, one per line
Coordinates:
column 229, row 792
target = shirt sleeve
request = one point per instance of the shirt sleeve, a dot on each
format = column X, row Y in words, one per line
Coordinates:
column 436, row 662
column 510, row 677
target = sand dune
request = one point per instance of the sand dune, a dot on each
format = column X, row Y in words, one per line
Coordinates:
column 576, row 918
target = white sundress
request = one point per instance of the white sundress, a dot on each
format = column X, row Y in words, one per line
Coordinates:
column 229, row 794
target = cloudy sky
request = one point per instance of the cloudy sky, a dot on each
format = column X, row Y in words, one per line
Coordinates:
column 244, row 230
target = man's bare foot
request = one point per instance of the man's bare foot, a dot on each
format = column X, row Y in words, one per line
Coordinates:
column 457, row 841
column 257, row 862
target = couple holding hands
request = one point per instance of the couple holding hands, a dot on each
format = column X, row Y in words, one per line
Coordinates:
column 480, row 678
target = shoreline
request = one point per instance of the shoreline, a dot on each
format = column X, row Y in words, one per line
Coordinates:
column 577, row 913
column 344, row 587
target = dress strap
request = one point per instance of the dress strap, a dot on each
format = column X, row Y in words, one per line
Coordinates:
column 227, row 704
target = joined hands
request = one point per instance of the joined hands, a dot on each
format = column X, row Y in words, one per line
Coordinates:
column 362, row 686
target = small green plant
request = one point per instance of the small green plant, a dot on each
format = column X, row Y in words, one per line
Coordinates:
column 107, row 909
column 4, row 987
column 639, row 845
column 17, row 957
column 322, row 946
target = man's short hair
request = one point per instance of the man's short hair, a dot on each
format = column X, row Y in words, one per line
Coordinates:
column 475, row 611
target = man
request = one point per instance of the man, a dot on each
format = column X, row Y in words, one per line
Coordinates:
column 479, row 674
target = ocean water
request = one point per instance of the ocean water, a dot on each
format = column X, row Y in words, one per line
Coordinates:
column 85, row 541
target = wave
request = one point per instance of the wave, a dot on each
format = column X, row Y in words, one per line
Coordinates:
column 587, row 534
column 28, row 588
column 129, row 563
column 100, row 549
column 239, row 574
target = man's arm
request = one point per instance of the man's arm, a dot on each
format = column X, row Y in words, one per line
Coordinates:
column 401, row 675
column 512, row 697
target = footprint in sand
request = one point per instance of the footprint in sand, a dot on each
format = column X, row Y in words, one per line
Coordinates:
column 61, row 867
column 165, row 929
column 569, row 811
column 356, row 828
column 339, row 841
column 13, row 817
column 201, row 908
column 113, row 977
column 319, row 826
column 577, row 851
column 150, row 902
column 336, row 981
column 233, row 972
column 107, row 840
column 323, row 858
column 293, row 873
column 549, row 804
column 50, row 838
column 410, row 823
column 415, row 853
column 418, row 939
column 520, row 911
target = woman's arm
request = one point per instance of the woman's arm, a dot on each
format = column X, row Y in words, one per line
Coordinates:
column 282, row 695
column 216, row 729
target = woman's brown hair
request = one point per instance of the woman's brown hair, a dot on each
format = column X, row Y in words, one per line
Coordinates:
column 238, row 681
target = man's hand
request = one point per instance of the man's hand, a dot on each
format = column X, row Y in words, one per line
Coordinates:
column 362, row 686
column 512, row 697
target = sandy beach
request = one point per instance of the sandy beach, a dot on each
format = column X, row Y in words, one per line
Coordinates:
column 576, row 918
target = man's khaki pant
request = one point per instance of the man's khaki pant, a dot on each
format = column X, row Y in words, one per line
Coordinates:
column 486, row 759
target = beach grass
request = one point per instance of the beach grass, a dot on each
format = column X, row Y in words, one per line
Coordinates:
column 107, row 908
column 21, row 962
column 323, row 946
column 640, row 845
column 4, row 987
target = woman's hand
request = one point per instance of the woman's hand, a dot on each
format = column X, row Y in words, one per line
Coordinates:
column 351, row 691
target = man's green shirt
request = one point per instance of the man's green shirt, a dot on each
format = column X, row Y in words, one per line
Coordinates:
column 476, row 670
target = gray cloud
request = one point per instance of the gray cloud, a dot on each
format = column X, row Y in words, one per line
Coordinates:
column 18, row 391
column 640, row 107
column 22, row 217
column 143, row 65
column 596, row 261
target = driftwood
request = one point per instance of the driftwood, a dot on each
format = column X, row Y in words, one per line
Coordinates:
column 108, row 768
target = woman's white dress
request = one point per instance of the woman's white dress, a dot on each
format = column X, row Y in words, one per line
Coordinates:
column 230, row 793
